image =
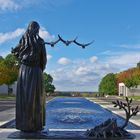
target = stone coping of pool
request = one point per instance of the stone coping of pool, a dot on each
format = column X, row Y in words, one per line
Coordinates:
column 9, row 115
column 77, row 134
column 135, row 120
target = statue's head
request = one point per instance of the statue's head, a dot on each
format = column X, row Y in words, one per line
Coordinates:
column 33, row 28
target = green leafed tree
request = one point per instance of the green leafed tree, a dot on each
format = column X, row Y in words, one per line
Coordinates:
column 8, row 70
column 108, row 85
column 138, row 64
column 10, row 61
column 131, row 82
column 49, row 87
column 1, row 59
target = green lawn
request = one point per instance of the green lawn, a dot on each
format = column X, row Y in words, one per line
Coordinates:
column 135, row 97
column 7, row 97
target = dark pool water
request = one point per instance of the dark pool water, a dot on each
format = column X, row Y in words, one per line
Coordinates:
column 77, row 113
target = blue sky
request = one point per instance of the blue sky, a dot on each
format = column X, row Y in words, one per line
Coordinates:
column 113, row 24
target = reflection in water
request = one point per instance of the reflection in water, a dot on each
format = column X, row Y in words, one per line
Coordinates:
column 74, row 119
column 71, row 110
column 76, row 113
column 72, row 102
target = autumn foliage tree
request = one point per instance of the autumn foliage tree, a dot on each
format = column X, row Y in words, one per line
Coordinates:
column 130, row 77
column 8, row 70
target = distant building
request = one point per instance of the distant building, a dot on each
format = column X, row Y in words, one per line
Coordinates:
column 5, row 90
column 124, row 91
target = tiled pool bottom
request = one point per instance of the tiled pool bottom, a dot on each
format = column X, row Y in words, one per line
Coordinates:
column 78, row 113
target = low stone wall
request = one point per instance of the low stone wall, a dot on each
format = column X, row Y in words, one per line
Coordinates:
column 134, row 92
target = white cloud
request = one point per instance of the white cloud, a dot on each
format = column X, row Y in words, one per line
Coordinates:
column 4, row 53
column 93, row 59
column 45, row 34
column 19, row 31
column 11, row 35
column 80, row 75
column 107, row 52
column 63, row 61
column 8, row 5
column 85, row 76
column 126, row 59
column 132, row 46
column 49, row 56
column 81, row 71
column 75, row 79
column 14, row 5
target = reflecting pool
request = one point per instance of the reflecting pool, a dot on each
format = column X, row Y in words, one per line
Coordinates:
column 77, row 113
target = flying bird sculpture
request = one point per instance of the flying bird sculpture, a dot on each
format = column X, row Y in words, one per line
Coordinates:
column 52, row 43
column 68, row 42
column 83, row 45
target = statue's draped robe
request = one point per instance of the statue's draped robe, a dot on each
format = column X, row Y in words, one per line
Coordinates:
column 30, row 101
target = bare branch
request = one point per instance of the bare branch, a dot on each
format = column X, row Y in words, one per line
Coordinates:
column 127, row 108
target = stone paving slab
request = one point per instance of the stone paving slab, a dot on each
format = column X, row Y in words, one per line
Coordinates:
column 7, row 115
column 6, row 104
column 109, row 106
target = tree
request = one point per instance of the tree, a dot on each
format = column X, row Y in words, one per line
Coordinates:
column 11, row 61
column 1, row 59
column 130, row 77
column 138, row 64
column 49, row 87
column 108, row 84
column 8, row 70
column 12, row 69
column 131, row 82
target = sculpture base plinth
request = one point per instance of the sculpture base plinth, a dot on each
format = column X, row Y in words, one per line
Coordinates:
column 27, row 135
column 74, row 135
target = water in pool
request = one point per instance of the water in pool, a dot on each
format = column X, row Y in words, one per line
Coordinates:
column 77, row 113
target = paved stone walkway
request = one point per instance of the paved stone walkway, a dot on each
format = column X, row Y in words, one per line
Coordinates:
column 6, row 104
column 7, row 110
column 108, row 105
column 7, row 115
